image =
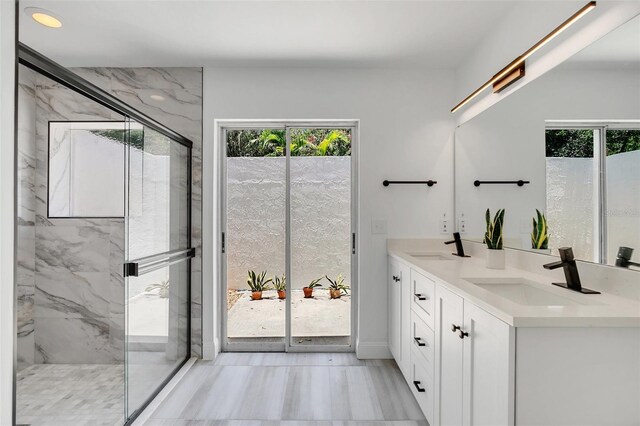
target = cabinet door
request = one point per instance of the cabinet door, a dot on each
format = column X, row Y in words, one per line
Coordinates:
column 488, row 369
column 449, row 313
column 394, row 310
column 405, row 320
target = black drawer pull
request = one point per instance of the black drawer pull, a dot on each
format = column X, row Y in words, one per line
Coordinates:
column 416, row 383
column 462, row 334
column 455, row 328
column 420, row 296
column 419, row 341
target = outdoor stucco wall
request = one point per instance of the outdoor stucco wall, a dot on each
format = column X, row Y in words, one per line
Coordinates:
column 320, row 218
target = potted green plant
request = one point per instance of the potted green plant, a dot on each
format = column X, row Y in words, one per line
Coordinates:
column 337, row 287
column 493, row 240
column 162, row 287
column 258, row 284
column 308, row 290
column 540, row 233
column 280, row 284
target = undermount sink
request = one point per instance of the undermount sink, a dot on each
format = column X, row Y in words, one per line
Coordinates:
column 430, row 256
column 525, row 292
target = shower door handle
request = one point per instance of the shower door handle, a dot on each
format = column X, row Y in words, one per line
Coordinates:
column 158, row 261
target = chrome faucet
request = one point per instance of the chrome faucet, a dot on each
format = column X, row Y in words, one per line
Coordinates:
column 624, row 257
column 458, row 241
column 568, row 263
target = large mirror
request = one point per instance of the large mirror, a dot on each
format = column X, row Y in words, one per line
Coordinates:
column 572, row 139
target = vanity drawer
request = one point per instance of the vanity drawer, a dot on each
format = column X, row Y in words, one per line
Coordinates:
column 423, row 341
column 423, row 291
column 422, row 386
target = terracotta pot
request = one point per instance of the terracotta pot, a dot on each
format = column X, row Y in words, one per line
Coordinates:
column 335, row 293
column 308, row 292
column 256, row 295
column 282, row 294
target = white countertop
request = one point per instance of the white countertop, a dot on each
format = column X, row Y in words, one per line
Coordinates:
column 611, row 310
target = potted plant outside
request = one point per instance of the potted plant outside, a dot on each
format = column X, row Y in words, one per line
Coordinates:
column 162, row 287
column 257, row 283
column 540, row 233
column 280, row 284
column 493, row 240
column 337, row 287
column 308, row 290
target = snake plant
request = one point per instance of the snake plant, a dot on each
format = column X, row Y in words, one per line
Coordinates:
column 338, row 284
column 280, row 284
column 257, row 282
column 493, row 236
column 540, row 234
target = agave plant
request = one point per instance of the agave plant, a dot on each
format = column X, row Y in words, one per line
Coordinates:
column 338, row 284
column 540, row 234
column 279, row 283
column 315, row 283
column 257, row 282
column 493, row 236
column 162, row 287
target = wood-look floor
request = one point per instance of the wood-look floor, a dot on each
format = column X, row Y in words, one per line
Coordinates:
column 276, row 389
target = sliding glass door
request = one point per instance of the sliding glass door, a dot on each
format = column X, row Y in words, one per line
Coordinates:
column 288, row 230
column 158, row 252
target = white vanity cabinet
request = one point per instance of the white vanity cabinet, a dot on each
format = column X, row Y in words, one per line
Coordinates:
column 475, row 361
column 399, row 314
column 457, row 359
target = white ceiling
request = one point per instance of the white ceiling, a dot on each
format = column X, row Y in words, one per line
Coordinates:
column 431, row 34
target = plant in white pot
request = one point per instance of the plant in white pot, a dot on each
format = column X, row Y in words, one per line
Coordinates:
column 493, row 240
column 540, row 233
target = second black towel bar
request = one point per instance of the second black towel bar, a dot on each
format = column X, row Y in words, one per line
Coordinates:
column 409, row 182
column 500, row 182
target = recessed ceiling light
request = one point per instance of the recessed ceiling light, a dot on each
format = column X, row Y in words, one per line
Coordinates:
column 157, row 97
column 43, row 17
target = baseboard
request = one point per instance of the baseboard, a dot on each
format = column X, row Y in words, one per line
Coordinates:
column 373, row 350
column 209, row 350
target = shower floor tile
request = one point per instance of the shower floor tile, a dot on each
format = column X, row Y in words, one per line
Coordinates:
column 70, row 394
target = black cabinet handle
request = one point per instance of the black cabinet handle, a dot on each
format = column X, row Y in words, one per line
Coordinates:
column 420, row 296
column 455, row 328
column 416, row 383
column 462, row 334
column 396, row 279
column 419, row 341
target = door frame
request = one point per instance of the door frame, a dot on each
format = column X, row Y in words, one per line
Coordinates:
column 221, row 126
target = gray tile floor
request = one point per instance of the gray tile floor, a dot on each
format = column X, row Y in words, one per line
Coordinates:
column 275, row 389
column 70, row 394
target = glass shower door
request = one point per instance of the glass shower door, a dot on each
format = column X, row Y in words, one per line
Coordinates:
column 158, row 254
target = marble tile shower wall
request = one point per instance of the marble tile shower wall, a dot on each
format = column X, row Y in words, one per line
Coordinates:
column 181, row 110
column 70, row 287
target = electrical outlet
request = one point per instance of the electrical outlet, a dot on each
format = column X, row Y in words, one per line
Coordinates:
column 444, row 226
column 462, row 226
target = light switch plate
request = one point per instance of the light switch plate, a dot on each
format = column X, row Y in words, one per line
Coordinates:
column 379, row 226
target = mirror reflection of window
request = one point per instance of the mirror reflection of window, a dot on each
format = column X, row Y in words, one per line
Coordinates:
column 572, row 194
column 593, row 190
column 622, row 191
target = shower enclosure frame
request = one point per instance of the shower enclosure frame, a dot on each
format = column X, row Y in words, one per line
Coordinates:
column 42, row 65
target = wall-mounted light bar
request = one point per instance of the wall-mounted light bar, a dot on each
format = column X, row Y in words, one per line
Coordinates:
column 519, row 61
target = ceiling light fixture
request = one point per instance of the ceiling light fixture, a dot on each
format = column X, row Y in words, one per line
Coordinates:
column 515, row 70
column 43, row 17
column 158, row 98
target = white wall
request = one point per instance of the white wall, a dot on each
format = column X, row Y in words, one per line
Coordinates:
column 7, row 103
column 406, row 132
column 526, row 24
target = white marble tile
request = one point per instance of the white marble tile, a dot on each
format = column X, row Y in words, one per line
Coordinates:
column 72, row 294
column 73, row 341
column 75, row 249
